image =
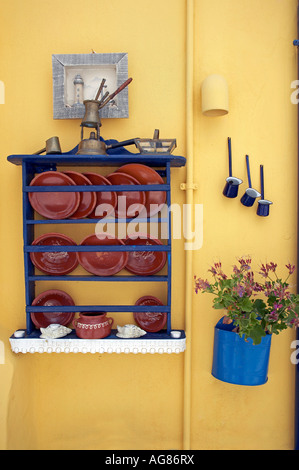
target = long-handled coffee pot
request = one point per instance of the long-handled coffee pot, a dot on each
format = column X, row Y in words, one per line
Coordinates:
column 231, row 187
column 263, row 207
column 250, row 194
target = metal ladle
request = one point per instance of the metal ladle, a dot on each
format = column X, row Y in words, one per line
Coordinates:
column 263, row 207
column 250, row 194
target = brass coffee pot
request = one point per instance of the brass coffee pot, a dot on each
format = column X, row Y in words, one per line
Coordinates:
column 91, row 119
column 52, row 147
column 92, row 146
column 95, row 146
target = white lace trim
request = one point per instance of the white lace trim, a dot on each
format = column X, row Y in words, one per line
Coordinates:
column 64, row 345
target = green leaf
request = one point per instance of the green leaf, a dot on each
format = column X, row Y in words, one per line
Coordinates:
column 218, row 305
column 246, row 304
column 256, row 334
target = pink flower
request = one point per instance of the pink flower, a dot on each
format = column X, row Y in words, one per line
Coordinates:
column 291, row 268
column 272, row 266
column 217, row 271
column 245, row 264
column 276, row 306
column 200, row 284
column 273, row 316
column 264, row 271
column 240, row 290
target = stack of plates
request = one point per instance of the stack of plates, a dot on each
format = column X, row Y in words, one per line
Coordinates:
column 100, row 263
column 72, row 205
column 154, row 200
column 88, row 200
column 130, row 203
column 106, row 201
column 96, row 205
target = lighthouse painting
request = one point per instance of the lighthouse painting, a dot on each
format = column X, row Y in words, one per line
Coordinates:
column 78, row 90
column 77, row 77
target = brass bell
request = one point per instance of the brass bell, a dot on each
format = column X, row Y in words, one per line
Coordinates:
column 91, row 146
column 91, row 117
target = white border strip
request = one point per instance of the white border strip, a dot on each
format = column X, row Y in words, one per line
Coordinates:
column 61, row 345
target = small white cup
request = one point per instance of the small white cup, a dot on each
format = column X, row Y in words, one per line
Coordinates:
column 175, row 334
column 19, row 334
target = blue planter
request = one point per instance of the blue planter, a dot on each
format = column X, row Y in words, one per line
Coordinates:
column 237, row 361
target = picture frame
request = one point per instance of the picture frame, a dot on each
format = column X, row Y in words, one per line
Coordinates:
column 77, row 77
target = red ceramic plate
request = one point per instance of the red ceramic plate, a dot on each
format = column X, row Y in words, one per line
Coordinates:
column 106, row 201
column 54, row 205
column 56, row 263
column 52, row 298
column 150, row 321
column 132, row 202
column 87, row 199
column 145, row 262
column 155, row 200
column 102, row 263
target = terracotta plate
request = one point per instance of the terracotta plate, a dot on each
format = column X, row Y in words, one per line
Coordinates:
column 145, row 262
column 87, row 199
column 150, row 321
column 106, row 201
column 132, row 202
column 102, row 263
column 52, row 298
column 55, row 263
column 155, row 200
column 54, row 205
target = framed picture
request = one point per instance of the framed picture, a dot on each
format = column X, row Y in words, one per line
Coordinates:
column 77, row 77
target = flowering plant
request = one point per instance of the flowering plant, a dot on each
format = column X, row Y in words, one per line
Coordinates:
column 240, row 294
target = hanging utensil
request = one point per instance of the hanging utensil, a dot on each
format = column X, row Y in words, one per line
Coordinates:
column 250, row 194
column 263, row 204
column 103, row 98
column 100, row 88
column 232, row 183
column 119, row 89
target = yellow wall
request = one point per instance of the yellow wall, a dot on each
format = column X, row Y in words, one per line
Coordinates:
column 135, row 401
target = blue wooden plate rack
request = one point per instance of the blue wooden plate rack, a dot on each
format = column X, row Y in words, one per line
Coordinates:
column 33, row 164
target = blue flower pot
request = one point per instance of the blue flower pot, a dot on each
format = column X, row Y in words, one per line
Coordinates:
column 237, row 361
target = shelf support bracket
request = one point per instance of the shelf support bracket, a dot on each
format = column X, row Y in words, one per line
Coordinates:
column 187, row 186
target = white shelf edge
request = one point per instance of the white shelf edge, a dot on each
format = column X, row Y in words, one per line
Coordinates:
column 93, row 346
